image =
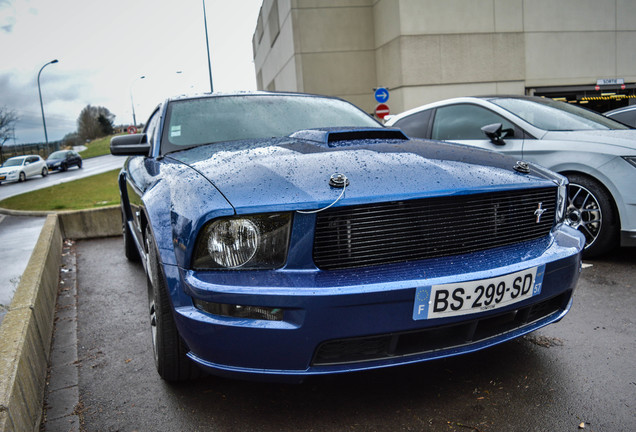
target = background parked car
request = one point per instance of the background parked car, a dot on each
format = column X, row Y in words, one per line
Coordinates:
column 597, row 154
column 625, row 115
column 63, row 160
column 21, row 168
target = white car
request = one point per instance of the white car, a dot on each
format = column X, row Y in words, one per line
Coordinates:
column 21, row 168
column 597, row 154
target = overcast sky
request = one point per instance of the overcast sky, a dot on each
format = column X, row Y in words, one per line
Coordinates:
column 103, row 47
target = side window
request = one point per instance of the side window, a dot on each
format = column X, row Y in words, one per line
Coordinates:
column 32, row 159
column 415, row 125
column 151, row 127
column 464, row 122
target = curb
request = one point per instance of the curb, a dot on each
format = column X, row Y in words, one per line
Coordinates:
column 27, row 328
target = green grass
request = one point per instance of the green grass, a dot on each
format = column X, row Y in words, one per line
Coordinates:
column 98, row 147
column 89, row 192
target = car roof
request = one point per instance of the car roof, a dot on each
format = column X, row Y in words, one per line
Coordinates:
column 621, row 109
column 463, row 99
column 244, row 93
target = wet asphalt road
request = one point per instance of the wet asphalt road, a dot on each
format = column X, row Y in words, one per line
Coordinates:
column 580, row 370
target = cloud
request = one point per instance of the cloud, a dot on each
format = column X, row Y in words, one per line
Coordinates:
column 7, row 16
column 104, row 47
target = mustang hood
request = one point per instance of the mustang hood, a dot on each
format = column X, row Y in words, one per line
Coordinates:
column 294, row 172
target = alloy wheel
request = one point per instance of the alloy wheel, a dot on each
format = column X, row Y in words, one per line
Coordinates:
column 584, row 213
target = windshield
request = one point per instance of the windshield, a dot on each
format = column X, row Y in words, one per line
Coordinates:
column 194, row 122
column 553, row 115
column 13, row 162
column 57, row 155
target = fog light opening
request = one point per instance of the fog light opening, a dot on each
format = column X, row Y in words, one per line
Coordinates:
column 240, row 311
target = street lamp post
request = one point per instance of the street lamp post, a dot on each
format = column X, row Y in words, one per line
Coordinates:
column 207, row 44
column 46, row 137
column 131, row 99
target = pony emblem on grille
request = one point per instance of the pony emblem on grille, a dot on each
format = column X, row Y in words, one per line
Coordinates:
column 539, row 212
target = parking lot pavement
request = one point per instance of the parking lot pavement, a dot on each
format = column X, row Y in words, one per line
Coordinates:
column 580, row 372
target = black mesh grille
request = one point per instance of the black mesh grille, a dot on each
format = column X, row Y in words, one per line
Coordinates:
column 402, row 231
column 437, row 338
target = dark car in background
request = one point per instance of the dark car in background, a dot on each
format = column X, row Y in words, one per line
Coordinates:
column 597, row 154
column 626, row 115
column 291, row 235
column 62, row 160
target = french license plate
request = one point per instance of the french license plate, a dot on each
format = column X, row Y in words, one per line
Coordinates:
column 2, row 177
column 449, row 300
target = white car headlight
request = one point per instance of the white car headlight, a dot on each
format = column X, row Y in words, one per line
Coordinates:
column 562, row 201
column 250, row 242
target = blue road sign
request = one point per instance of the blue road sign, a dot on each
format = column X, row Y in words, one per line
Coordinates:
column 381, row 95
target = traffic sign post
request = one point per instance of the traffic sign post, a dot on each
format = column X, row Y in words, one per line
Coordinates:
column 381, row 95
column 382, row 110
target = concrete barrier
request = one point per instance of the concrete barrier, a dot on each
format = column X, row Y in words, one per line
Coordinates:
column 94, row 223
column 26, row 330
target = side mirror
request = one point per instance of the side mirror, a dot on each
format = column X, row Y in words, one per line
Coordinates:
column 495, row 133
column 130, row 145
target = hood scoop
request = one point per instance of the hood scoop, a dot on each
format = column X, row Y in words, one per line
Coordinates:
column 341, row 137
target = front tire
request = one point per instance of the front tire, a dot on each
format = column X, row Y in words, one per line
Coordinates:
column 168, row 347
column 591, row 210
column 45, row 172
column 22, row 177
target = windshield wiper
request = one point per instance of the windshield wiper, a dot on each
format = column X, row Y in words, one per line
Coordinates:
column 184, row 149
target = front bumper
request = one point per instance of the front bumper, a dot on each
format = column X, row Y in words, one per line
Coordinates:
column 360, row 319
column 15, row 176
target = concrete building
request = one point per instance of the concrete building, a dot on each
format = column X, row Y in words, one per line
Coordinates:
column 427, row 50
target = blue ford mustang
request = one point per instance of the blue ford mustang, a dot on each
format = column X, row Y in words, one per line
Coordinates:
column 290, row 235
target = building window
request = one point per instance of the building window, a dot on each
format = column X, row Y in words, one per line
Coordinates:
column 272, row 22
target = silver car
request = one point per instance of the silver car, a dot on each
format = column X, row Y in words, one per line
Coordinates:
column 597, row 154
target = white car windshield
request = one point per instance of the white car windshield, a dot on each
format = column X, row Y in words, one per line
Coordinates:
column 13, row 162
column 553, row 115
column 193, row 122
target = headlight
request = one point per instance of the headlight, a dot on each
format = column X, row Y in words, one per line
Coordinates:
column 249, row 242
column 631, row 160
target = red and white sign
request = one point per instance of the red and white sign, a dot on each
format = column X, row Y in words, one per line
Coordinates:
column 131, row 130
column 382, row 110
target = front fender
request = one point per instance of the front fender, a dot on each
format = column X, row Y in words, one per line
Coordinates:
column 176, row 208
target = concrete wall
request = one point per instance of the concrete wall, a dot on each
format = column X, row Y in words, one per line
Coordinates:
column 427, row 50
column 324, row 47
column 26, row 334
column 26, row 330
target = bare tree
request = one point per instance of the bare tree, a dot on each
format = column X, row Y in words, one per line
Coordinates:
column 8, row 118
column 94, row 122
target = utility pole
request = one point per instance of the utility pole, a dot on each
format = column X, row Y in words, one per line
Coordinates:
column 207, row 43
